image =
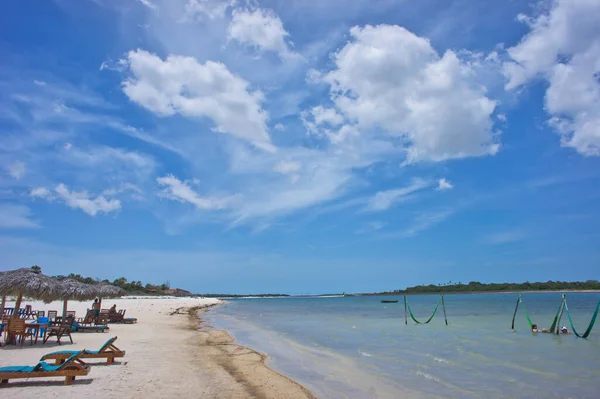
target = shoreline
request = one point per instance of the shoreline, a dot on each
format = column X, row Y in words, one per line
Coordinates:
column 486, row 292
column 247, row 367
column 169, row 354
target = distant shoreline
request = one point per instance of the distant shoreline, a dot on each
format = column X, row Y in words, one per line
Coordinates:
column 481, row 292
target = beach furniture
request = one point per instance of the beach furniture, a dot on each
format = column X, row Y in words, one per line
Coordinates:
column 87, row 325
column 17, row 329
column 41, row 313
column 89, row 319
column 70, row 369
column 107, row 351
column 60, row 329
column 29, row 313
column 120, row 318
column 103, row 316
column 38, row 327
column 71, row 313
column 52, row 314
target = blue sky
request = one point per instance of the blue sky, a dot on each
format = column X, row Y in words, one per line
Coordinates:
column 301, row 147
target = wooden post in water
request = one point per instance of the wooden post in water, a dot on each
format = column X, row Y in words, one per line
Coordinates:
column 444, row 307
column 405, row 319
column 562, row 308
column 515, row 313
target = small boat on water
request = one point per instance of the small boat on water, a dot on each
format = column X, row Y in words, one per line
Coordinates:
column 389, row 301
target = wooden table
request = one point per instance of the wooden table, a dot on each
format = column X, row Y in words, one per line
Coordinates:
column 36, row 327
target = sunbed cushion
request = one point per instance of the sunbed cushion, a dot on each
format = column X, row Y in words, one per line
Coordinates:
column 43, row 366
column 17, row 369
column 107, row 343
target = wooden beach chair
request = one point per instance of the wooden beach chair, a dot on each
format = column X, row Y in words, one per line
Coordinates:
column 120, row 318
column 71, row 368
column 52, row 314
column 107, row 351
column 90, row 323
column 60, row 329
column 17, row 328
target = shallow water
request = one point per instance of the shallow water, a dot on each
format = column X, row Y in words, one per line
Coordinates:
column 357, row 347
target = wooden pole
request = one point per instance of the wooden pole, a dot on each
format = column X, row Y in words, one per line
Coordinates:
column 515, row 313
column 444, row 307
column 65, row 309
column 2, row 307
column 562, row 308
column 405, row 319
column 15, row 314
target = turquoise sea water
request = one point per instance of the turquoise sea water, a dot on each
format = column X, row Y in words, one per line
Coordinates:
column 357, row 347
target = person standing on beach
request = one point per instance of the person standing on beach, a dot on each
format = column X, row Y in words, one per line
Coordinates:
column 96, row 307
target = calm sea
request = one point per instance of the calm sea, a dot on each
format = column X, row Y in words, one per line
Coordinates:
column 357, row 347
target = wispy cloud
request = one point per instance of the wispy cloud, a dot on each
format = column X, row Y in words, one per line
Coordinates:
column 420, row 223
column 16, row 217
column 506, row 237
column 385, row 199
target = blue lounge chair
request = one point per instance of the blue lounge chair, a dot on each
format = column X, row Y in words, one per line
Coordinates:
column 71, row 368
column 107, row 351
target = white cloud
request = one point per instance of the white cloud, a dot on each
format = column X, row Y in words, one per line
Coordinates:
column 39, row 82
column 109, row 158
column 328, row 116
column 261, row 29
column 280, row 127
column 421, row 222
column 444, row 184
column 183, row 85
column 83, row 201
column 41, row 192
column 17, row 170
column 390, row 79
column 16, row 217
column 148, row 4
column 563, row 48
column 181, row 191
column 287, row 167
column 385, row 199
column 213, row 9
column 68, row 146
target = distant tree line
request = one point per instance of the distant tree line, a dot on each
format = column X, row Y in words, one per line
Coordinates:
column 476, row 286
column 133, row 287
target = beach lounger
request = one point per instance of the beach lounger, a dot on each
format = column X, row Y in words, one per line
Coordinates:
column 107, row 351
column 90, row 328
column 70, row 369
column 120, row 318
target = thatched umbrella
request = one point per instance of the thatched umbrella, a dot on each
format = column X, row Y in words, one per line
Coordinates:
column 106, row 290
column 74, row 290
column 29, row 283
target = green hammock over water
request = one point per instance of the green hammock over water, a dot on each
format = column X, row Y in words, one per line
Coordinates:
column 556, row 321
column 412, row 316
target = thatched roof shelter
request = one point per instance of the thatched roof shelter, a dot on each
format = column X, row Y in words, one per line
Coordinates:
column 110, row 291
column 74, row 290
column 31, row 283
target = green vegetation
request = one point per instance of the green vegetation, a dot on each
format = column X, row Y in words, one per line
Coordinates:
column 476, row 286
column 132, row 287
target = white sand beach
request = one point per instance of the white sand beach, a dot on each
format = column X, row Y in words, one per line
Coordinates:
column 168, row 356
